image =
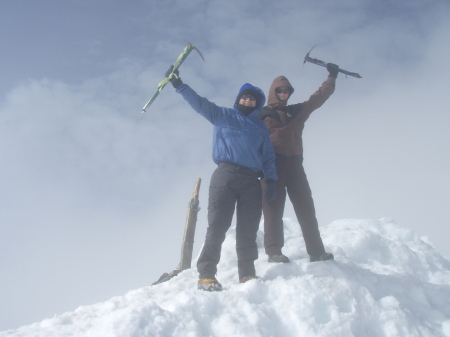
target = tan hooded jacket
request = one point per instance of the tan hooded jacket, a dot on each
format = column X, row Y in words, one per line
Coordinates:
column 286, row 123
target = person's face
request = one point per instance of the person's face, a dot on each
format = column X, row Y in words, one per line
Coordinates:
column 283, row 93
column 248, row 100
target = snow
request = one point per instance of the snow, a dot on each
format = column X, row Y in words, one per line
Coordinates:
column 386, row 280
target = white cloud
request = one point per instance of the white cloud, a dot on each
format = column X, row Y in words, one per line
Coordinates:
column 87, row 180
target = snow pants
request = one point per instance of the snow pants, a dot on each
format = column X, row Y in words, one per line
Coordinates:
column 291, row 179
column 232, row 187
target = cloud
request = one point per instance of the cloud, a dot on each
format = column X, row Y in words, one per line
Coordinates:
column 90, row 184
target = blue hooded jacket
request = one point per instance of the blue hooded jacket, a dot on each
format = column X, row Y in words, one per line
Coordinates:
column 238, row 138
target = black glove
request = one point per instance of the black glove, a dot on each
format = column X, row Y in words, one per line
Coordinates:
column 332, row 69
column 271, row 191
column 175, row 80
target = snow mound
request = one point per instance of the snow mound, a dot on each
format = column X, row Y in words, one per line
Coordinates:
column 385, row 281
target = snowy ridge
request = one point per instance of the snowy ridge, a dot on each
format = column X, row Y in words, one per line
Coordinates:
column 385, row 281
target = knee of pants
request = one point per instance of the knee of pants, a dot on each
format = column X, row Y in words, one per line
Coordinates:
column 215, row 237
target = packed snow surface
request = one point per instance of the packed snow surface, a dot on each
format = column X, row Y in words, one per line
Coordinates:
column 385, row 281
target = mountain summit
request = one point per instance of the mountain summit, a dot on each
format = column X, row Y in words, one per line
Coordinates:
column 385, row 281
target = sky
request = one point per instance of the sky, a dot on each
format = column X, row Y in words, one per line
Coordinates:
column 387, row 281
column 94, row 194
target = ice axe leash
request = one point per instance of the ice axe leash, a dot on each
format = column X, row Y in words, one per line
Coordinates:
column 324, row 64
column 187, row 50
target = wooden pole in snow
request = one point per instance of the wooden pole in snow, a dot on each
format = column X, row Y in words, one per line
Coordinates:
column 189, row 229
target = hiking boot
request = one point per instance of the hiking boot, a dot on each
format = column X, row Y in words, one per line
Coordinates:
column 209, row 284
column 322, row 257
column 248, row 278
column 278, row 258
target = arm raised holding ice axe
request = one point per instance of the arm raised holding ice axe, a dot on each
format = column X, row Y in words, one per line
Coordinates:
column 173, row 75
column 327, row 65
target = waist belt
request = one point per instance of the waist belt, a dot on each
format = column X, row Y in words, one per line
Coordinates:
column 241, row 169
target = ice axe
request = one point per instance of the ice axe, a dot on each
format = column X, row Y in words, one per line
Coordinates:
column 187, row 50
column 324, row 64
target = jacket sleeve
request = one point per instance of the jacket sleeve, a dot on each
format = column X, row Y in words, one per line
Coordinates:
column 200, row 104
column 319, row 97
column 269, row 168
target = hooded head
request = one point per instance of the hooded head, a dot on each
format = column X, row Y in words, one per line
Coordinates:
column 248, row 89
column 278, row 83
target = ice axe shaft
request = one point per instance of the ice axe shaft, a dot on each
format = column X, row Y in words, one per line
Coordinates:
column 184, row 54
column 324, row 64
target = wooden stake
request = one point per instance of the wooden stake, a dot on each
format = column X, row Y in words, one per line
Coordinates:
column 189, row 229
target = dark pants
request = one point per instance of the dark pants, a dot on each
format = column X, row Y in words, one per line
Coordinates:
column 291, row 179
column 232, row 187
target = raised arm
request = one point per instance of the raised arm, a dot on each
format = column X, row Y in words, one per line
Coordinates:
column 200, row 104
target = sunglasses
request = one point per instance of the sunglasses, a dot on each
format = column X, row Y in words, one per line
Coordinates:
column 282, row 91
column 250, row 97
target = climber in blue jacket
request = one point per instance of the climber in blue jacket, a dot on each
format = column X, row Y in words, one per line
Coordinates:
column 244, row 154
